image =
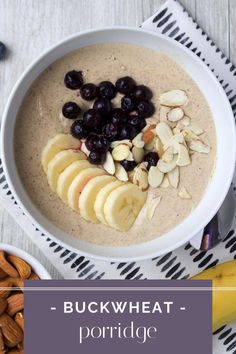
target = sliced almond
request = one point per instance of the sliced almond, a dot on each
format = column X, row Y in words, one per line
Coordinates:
column 150, row 145
column 120, row 152
column 120, row 172
column 164, row 132
column 121, row 142
column 158, row 146
column 155, row 177
column 168, row 154
column 109, row 164
column 140, row 177
column 138, row 154
column 183, row 158
column 152, row 207
column 199, row 146
column 130, row 157
column 166, row 167
column 174, row 98
column 163, row 113
column 176, row 130
column 195, row 129
column 174, row 142
column 184, row 194
column 165, row 183
column 173, row 177
column 183, row 122
column 138, row 141
column 175, row 114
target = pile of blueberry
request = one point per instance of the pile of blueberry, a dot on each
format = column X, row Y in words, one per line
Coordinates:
column 102, row 124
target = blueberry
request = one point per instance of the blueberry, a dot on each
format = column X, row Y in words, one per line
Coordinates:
column 128, row 165
column 127, row 132
column 142, row 92
column 97, row 157
column 110, row 131
column 135, row 121
column 3, row 51
column 118, row 116
column 128, row 103
column 125, row 84
column 151, row 158
column 92, row 118
column 102, row 143
column 78, row 130
column 73, row 79
column 88, row 92
column 103, row 105
column 71, row 110
column 146, row 108
column 142, row 123
column 107, row 89
column 91, row 142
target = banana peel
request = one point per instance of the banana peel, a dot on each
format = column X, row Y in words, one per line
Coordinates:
column 223, row 278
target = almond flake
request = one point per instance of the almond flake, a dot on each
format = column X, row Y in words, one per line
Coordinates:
column 138, row 154
column 138, row 141
column 184, row 194
column 120, row 152
column 168, row 154
column 120, row 172
column 195, row 129
column 109, row 164
column 158, row 146
column 165, row 183
column 176, row 131
column 199, row 146
column 121, row 142
column 152, row 207
column 183, row 158
column 166, row 166
column 174, row 142
column 174, row 98
column 155, row 177
column 130, row 157
column 163, row 113
column 173, row 177
column 175, row 114
column 140, row 177
column 164, row 132
column 150, row 145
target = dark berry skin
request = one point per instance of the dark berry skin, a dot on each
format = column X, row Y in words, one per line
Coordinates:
column 88, row 91
column 142, row 123
column 92, row 118
column 78, row 130
column 71, row 110
column 97, row 157
column 107, row 89
column 110, row 131
column 127, row 132
column 103, row 105
column 135, row 121
column 142, row 92
column 73, row 79
column 3, row 51
column 102, row 143
column 118, row 116
column 91, row 142
column 128, row 103
column 125, row 85
column 151, row 158
column 145, row 108
column 128, row 165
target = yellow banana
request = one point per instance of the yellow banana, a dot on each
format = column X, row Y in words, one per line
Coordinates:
column 223, row 278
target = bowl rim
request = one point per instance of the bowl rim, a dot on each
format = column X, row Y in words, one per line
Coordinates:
column 38, row 268
column 220, row 194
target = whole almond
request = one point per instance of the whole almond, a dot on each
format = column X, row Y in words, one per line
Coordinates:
column 17, row 282
column 19, row 318
column 16, row 351
column 2, row 274
column 22, row 267
column 11, row 330
column 33, row 276
column 5, row 288
column 15, row 304
column 2, row 345
column 3, row 305
column 7, row 267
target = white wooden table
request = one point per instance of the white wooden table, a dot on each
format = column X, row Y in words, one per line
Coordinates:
column 29, row 27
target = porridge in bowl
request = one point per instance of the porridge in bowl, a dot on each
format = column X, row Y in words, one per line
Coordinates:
column 115, row 144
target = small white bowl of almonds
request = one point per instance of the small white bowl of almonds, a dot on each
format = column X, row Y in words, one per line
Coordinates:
column 15, row 267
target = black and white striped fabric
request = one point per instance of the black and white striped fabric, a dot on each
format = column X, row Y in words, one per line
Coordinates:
column 173, row 21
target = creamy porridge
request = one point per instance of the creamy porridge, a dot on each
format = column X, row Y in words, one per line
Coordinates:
column 40, row 119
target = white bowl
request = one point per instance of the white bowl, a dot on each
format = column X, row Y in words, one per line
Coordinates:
column 35, row 265
column 225, row 131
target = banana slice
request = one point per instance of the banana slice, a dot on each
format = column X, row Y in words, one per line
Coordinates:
column 123, row 206
column 101, row 199
column 88, row 196
column 66, row 177
column 58, row 164
column 79, row 183
column 56, row 144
